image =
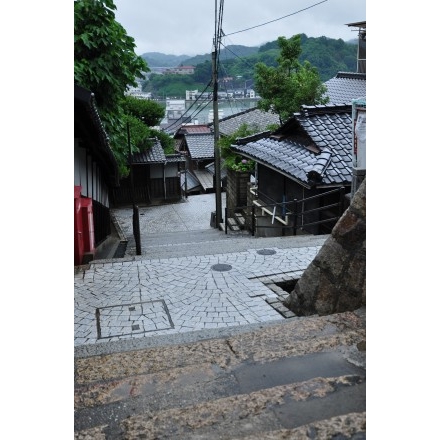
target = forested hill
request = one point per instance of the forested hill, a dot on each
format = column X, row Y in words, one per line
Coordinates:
column 157, row 59
column 328, row 55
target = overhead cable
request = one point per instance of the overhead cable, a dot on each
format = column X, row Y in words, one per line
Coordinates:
column 277, row 19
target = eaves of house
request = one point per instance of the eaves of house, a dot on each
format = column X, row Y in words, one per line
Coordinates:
column 193, row 129
column 155, row 155
column 89, row 128
column 313, row 148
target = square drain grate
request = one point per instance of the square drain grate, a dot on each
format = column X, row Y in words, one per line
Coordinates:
column 131, row 319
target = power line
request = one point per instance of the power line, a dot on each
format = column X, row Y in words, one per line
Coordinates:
column 202, row 107
column 232, row 102
column 277, row 19
column 188, row 109
column 238, row 56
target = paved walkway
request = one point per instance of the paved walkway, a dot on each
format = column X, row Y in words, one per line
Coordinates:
column 139, row 297
column 191, row 214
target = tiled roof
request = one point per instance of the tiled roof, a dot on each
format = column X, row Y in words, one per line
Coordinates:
column 313, row 147
column 173, row 126
column 200, row 146
column 154, row 154
column 190, row 129
column 345, row 87
column 174, row 158
column 253, row 117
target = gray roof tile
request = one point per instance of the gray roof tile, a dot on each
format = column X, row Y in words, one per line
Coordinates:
column 200, row 146
column 175, row 158
column 255, row 118
column 154, row 154
column 328, row 127
column 345, row 87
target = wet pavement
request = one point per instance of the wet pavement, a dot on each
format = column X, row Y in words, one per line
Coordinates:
column 227, row 283
column 191, row 214
column 190, row 340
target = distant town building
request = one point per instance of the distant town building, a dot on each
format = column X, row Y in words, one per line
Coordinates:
column 180, row 70
column 175, row 111
column 191, row 95
column 194, row 95
column 136, row 90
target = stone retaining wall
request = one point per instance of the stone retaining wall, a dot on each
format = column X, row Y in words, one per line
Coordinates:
column 335, row 281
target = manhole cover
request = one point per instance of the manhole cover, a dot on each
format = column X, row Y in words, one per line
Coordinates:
column 130, row 319
column 221, row 267
column 266, row 252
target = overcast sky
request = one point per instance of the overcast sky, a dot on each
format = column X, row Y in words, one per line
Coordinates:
column 187, row 27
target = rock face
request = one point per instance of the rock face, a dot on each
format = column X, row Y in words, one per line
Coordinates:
column 335, row 281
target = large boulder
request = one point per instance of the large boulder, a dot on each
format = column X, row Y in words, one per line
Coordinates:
column 335, row 281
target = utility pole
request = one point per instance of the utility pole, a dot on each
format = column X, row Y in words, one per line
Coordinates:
column 217, row 165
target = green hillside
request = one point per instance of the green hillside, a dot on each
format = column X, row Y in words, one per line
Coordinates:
column 328, row 55
column 157, row 59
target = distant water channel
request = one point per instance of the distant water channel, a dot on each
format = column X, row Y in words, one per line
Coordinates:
column 201, row 112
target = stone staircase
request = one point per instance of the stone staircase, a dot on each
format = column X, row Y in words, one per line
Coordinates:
column 302, row 379
column 237, row 223
column 206, row 242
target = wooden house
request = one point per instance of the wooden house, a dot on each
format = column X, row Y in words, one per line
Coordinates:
column 95, row 175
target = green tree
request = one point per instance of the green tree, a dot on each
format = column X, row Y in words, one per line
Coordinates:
column 143, row 137
column 142, row 114
column 150, row 112
column 139, row 134
column 174, row 85
column 166, row 141
column 290, row 84
column 203, row 72
column 106, row 64
column 234, row 161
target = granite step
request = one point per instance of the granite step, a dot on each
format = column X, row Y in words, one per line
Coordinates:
column 210, row 241
column 303, row 376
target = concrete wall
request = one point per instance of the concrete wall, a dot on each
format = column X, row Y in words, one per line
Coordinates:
column 335, row 281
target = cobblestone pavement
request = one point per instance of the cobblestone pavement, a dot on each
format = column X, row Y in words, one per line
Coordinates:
column 191, row 214
column 135, row 299
column 209, row 285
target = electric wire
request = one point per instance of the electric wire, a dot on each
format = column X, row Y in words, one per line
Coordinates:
column 218, row 31
column 203, row 106
column 232, row 102
column 237, row 56
column 217, row 43
column 189, row 108
column 277, row 19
